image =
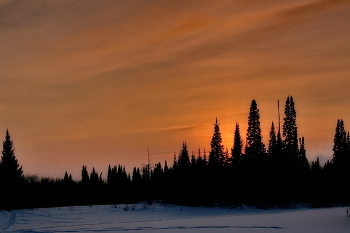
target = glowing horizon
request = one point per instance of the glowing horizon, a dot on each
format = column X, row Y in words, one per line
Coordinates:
column 95, row 83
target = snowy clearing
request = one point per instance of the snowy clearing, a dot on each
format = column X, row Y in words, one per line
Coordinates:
column 170, row 218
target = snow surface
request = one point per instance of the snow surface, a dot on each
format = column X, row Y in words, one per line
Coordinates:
column 169, row 218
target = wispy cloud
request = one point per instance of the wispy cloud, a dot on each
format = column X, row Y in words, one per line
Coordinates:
column 179, row 128
column 162, row 70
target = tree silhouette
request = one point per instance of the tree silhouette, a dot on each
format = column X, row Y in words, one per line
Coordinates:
column 272, row 141
column 255, row 148
column 84, row 175
column 341, row 152
column 216, row 155
column 136, row 175
column 237, row 146
column 183, row 161
column 67, row 179
column 11, row 172
column 303, row 161
column 316, row 167
column 290, row 131
column 277, row 178
column 94, row 176
column 340, row 144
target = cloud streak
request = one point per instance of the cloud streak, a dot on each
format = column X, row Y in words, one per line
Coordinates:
column 140, row 72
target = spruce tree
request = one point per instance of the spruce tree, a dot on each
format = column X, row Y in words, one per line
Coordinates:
column 11, row 172
column 303, row 161
column 136, row 175
column 216, row 156
column 109, row 175
column 316, row 166
column 157, row 174
column 66, row 178
column 166, row 168
column 193, row 160
column 184, row 159
column 226, row 160
column 340, row 146
column 255, row 148
column 272, row 141
column 237, row 146
column 84, row 175
column 94, row 176
column 290, row 131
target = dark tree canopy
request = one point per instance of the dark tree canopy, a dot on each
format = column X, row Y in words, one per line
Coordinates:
column 341, row 149
column 303, row 161
column 94, row 176
column 280, row 177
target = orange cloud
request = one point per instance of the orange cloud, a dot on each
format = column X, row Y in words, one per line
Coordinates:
column 85, row 75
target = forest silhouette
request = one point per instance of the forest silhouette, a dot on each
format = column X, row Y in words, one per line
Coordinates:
column 276, row 175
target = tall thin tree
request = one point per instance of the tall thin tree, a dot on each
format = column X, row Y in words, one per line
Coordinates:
column 236, row 152
column 272, row 141
column 216, row 155
column 340, row 144
column 255, row 148
column 290, row 130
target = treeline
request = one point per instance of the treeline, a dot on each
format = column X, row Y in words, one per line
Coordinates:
column 277, row 174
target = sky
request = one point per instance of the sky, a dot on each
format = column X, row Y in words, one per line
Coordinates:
column 98, row 82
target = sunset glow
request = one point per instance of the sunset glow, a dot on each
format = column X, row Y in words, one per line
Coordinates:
column 97, row 82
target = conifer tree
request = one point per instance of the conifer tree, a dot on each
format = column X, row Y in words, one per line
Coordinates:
column 94, row 176
column 122, row 177
column 193, row 160
column 184, row 159
column 109, row 175
column 237, row 146
column 304, row 163
column 216, row 156
column 175, row 161
column 65, row 178
column 136, row 175
column 157, row 173
column 272, row 141
column 340, row 144
column 10, row 171
column 166, row 168
column 255, row 148
column 84, row 175
column 205, row 161
column 226, row 158
column 316, row 167
column 290, row 131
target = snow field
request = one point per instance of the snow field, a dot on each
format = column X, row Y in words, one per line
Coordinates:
column 169, row 218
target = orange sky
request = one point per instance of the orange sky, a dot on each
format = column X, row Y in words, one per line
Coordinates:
column 96, row 82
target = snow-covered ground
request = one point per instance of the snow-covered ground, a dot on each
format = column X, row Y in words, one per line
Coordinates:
column 161, row 218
